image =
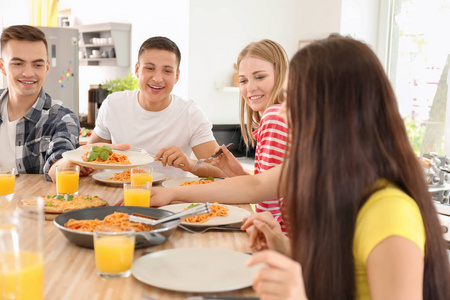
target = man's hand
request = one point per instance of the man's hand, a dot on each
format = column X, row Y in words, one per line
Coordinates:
column 175, row 157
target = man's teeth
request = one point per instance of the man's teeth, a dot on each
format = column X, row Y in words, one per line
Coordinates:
column 156, row 87
column 255, row 97
column 27, row 82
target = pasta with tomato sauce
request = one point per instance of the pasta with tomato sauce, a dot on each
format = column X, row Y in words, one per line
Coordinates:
column 117, row 220
column 217, row 210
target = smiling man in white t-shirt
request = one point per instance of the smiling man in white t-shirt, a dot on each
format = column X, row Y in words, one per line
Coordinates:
column 154, row 119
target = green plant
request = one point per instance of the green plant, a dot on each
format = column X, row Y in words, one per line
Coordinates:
column 415, row 131
column 129, row 83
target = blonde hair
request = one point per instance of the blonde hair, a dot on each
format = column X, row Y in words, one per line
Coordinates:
column 274, row 53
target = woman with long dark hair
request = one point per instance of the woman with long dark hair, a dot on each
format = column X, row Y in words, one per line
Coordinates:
column 360, row 219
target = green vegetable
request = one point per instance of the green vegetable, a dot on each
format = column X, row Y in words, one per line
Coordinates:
column 209, row 178
column 97, row 151
column 48, row 204
column 65, row 197
column 192, row 205
column 68, row 197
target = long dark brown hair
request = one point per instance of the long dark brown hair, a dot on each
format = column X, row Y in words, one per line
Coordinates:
column 347, row 133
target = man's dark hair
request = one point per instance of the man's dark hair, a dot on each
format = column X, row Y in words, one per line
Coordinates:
column 23, row 33
column 162, row 43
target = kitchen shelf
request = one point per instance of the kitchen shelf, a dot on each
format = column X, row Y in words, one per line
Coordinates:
column 121, row 36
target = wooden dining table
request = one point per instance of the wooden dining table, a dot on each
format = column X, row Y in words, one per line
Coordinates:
column 70, row 271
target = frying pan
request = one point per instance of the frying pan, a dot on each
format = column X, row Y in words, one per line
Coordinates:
column 143, row 238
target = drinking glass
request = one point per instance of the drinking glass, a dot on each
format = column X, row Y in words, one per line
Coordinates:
column 67, row 179
column 114, row 251
column 141, row 175
column 7, row 179
column 21, row 251
column 136, row 195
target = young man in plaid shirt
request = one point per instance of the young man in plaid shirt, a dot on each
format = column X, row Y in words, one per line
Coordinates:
column 34, row 129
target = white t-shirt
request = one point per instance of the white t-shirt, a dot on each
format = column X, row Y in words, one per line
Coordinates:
column 7, row 138
column 121, row 119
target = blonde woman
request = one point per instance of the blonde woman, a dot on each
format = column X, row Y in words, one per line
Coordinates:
column 261, row 67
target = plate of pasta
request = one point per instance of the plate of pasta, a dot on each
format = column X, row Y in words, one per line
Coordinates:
column 116, row 159
column 221, row 214
column 188, row 181
column 119, row 177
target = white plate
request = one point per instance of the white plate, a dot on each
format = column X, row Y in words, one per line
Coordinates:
column 136, row 158
column 104, row 175
column 201, row 270
column 235, row 215
column 178, row 181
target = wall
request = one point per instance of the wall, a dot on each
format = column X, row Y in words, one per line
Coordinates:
column 210, row 34
column 12, row 12
column 147, row 21
column 218, row 30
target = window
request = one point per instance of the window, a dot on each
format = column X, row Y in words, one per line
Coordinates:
column 418, row 69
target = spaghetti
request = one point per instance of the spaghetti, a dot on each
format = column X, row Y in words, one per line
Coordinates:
column 113, row 158
column 117, row 220
column 124, row 176
column 217, row 210
column 201, row 181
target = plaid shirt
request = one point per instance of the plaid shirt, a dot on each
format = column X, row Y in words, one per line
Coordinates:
column 43, row 134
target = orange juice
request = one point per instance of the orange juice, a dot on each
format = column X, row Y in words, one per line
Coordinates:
column 114, row 254
column 26, row 283
column 137, row 197
column 67, row 182
column 7, row 184
column 140, row 179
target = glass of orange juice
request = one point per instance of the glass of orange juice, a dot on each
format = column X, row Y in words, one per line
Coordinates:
column 114, row 251
column 136, row 195
column 21, row 252
column 67, row 179
column 141, row 175
column 7, row 179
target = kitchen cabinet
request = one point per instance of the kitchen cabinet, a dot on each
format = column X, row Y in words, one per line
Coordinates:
column 105, row 44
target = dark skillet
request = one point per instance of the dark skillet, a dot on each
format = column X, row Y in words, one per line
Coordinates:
column 143, row 239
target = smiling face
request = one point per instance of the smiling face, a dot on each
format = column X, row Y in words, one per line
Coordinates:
column 256, row 82
column 157, row 72
column 25, row 65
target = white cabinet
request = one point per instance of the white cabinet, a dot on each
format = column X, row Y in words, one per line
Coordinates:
column 106, row 44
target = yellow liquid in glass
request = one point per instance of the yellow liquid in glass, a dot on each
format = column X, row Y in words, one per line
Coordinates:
column 67, row 182
column 114, row 254
column 7, row 184
column 140, row 179
column 26, row 283
column 137, row 197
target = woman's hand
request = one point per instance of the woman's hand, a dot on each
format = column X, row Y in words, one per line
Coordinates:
column 228, row 163
column 175, row 157
column 281, row 279
column 265, row 233
column 161, row 196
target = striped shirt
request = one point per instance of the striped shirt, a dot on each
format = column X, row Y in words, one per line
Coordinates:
column 271, row 136
column 42, row 135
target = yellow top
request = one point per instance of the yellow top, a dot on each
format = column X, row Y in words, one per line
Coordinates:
column 387, row 212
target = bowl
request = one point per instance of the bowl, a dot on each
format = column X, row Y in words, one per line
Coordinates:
column 143, row 238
